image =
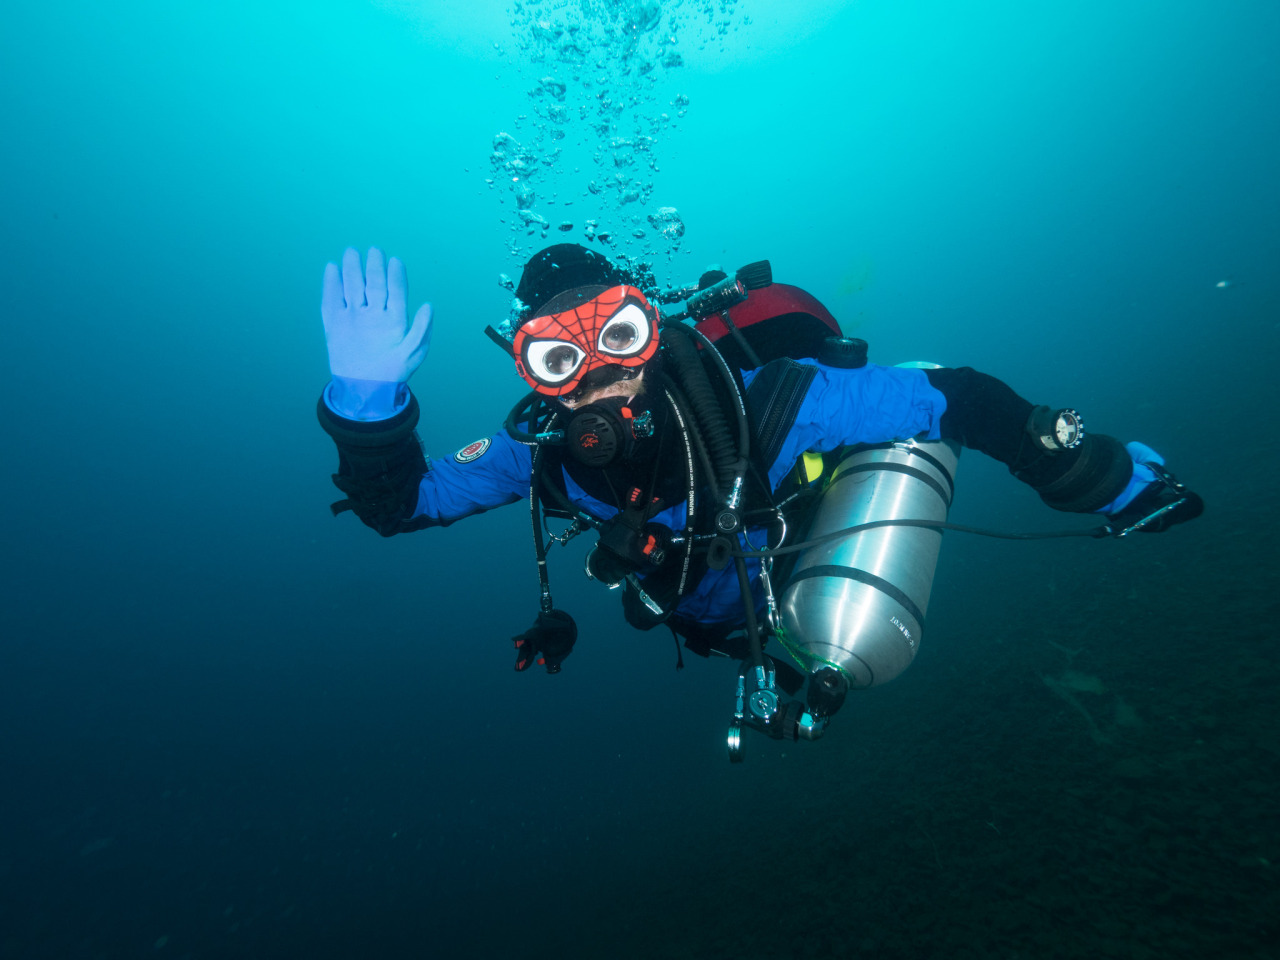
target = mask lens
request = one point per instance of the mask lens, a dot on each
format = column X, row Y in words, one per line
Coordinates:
column 619, row 337
column 625, row 333
column 560, row 360
column 553, row 361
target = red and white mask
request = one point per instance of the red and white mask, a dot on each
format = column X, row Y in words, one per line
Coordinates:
column 618, row 327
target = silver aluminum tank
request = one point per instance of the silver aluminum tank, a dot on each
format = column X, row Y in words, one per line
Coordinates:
column 858, row 603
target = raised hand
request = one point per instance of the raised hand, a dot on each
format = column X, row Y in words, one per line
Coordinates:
column 365, row 320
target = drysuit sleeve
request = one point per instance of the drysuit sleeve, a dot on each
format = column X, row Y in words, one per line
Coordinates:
column 874, row 404
column 486, row 473
column 394, row 488
column 842, row 407
column 985, row 414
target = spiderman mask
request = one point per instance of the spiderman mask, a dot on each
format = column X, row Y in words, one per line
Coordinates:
column 616, row 328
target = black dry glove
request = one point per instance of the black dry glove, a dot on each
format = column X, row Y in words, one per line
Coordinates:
column 1164, row 503
column 623, row 550
column 548, row 641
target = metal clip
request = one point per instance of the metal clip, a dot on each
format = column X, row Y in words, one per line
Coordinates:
column 653, row 605
column 1151, row 517
column 771, row 601
column 569, row 533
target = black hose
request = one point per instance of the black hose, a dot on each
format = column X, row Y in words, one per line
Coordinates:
column 691, row 494
column 545, row 603
column 1094, row 532
column 527, row 404
column 681, row 404
column 741, row 340
column 731, row 385
column 753, row 628
column 704, row 405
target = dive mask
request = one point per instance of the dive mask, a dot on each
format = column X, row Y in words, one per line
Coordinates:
column 617, row 327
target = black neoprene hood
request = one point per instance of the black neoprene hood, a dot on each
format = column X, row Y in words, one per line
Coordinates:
column 562, row 267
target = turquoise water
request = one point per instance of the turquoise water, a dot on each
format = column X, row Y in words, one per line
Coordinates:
column 234, row 726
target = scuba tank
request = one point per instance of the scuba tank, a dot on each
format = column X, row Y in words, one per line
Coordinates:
column 857, row 604
column 853, row 608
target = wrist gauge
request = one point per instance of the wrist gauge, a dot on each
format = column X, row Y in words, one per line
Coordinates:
column 1056, row 430
column 1068, row 429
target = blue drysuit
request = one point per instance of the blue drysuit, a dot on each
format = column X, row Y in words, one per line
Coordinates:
column 870, row 404
column 394, row 489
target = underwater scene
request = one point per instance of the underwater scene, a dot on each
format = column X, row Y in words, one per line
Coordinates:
column 236, row 725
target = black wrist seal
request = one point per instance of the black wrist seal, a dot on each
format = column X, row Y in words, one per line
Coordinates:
column 380, row 466
column 1083, row 479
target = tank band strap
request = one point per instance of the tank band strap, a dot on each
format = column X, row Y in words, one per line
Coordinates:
column 938, row 465
column 920, row 475
column 870, row 579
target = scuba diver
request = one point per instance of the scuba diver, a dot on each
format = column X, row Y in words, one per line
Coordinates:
column 748, row 474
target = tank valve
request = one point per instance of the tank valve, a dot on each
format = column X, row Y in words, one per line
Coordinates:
column 827, row 689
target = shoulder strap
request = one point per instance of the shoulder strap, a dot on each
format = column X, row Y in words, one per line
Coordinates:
column 773, row 401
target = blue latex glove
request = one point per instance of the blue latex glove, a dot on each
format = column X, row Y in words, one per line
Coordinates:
column 372, row 349
column 1153, row 500
column 1143, row 475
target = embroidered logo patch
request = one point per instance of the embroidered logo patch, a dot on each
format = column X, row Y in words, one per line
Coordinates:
column 472, row 451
